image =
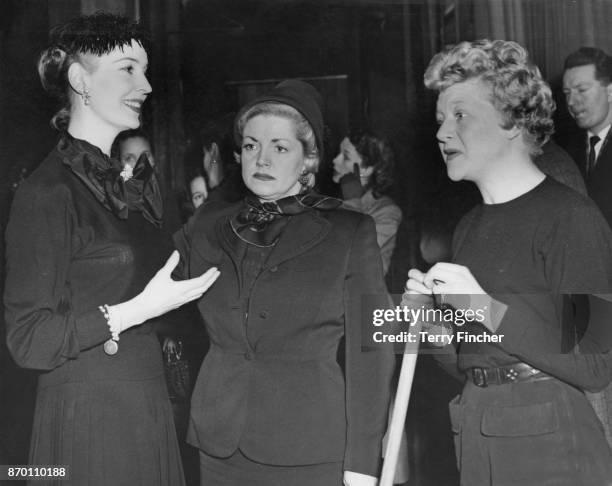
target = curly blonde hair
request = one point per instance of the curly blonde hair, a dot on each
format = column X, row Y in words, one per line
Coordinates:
column 518, row 90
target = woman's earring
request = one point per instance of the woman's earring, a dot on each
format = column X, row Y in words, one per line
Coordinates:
column 304, row 178
column 214, row 162
column 86, row 97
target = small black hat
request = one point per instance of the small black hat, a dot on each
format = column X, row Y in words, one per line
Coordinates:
column 299, row 95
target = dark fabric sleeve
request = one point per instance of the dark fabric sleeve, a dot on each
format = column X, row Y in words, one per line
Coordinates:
column 182, row 242
column 42, row 330
column 368, row 371
column 578, row 255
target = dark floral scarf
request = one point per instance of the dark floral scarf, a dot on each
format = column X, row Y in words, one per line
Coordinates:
column 261, row 223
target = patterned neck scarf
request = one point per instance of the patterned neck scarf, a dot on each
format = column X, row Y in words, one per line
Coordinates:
column 261, row 223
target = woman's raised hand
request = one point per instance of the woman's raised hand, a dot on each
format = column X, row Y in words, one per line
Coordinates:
column 162, row 294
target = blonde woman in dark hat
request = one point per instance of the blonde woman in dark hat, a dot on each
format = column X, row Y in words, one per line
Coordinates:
column 271, row 405
column 83, row 240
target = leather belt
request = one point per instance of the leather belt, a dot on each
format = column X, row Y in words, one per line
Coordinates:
column 517, row 373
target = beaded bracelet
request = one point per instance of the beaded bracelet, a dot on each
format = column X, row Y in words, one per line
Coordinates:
column 111, row 346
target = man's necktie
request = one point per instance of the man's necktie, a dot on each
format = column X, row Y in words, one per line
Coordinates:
column 591, row 160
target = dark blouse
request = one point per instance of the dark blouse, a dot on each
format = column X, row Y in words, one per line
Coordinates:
column 66, row 255
column 529, row 253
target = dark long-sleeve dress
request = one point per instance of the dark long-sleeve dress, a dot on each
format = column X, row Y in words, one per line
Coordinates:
column 106, row 417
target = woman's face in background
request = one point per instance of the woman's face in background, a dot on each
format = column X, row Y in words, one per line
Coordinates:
column 208, row 159
column 132, row 148
column 346, row 159
column 118, row 86
column 272, row 157
column 198, row 191
column 213, row 165
column 470, row 136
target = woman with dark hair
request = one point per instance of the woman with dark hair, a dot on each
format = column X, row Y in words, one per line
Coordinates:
column 525, row 259
column 271, row 405
column 210, row 159
column 130, row 145
column 83, row 240
column 364, row 168
column 198, row 188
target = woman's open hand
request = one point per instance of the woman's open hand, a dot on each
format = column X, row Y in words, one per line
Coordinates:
column 162, row 294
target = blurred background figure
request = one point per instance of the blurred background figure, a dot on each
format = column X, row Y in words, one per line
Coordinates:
column 211, row 171
column 129, row 145
column 364, row 167
column 198, row 188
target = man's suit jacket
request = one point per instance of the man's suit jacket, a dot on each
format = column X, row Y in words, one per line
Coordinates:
column 599, row 180
column 271, row 384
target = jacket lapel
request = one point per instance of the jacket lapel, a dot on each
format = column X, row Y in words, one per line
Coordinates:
column 301, row 233
column 231, row 244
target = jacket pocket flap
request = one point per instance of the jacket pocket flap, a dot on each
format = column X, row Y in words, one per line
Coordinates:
column 520, row 421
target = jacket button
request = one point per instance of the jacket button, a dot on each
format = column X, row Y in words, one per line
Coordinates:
column 248, row 356
column 263, row 314
column 274, row 269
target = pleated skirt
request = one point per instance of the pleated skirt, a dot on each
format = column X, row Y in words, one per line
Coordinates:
column 108, row 433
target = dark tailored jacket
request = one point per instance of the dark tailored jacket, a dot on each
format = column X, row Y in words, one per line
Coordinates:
column 599, row 181
column 271, row 384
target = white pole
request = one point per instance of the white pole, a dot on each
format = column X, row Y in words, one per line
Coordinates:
column 400, row 406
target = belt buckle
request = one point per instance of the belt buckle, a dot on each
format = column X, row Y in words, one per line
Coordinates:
column 511, row 375
column 479, row 377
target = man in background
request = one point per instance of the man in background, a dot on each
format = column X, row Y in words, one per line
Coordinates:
column 587, row 85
